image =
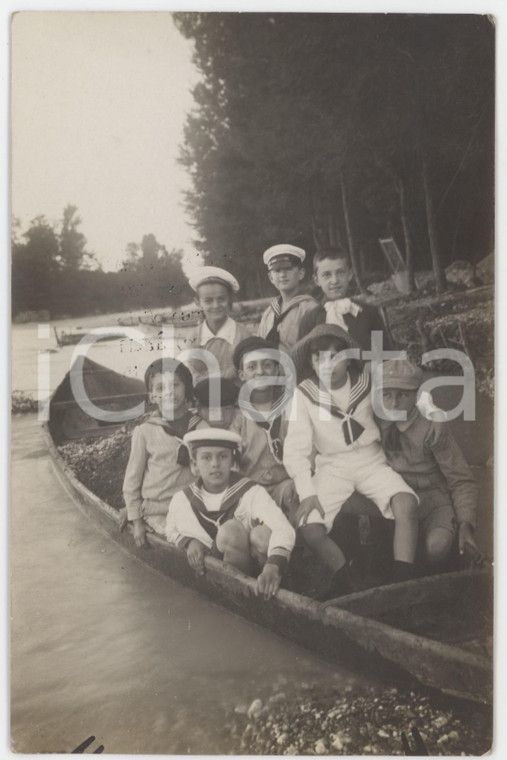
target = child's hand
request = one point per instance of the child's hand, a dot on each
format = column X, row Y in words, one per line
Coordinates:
column 123, row 519
column 195, row 555
column 268, row 581
column 290, row 497
column 140, row 533
column 306, row 507
column 467, row 545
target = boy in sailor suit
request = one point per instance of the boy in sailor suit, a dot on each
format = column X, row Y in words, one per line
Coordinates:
column 262, row 423
column 218, row 333
column 280, row 322
column 158, row 464
column 334, row 415
column 228, row 515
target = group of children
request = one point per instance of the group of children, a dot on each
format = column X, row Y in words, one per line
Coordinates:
column 243, row 479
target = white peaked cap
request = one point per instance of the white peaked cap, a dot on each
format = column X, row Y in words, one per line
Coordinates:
column 283, row 250
column 201, row 275
column 212, row 437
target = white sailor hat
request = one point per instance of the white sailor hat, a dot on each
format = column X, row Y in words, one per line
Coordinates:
column 202, row 275
column 212, row 437
column 283, row 253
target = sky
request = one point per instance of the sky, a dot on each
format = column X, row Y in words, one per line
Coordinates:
column 98, row 106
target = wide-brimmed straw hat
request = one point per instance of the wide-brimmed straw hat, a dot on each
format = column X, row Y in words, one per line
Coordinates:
column 302, row 350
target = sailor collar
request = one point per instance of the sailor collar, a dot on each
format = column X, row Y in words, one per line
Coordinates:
column 276, row 304
column 320, row 397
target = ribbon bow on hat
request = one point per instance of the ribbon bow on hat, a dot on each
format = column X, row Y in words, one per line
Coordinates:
column 335, row 310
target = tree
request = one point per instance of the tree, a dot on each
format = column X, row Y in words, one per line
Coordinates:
column 72, row 253
column 297, row 135
column 131, row 262
column 154, row 277
column 34, row 264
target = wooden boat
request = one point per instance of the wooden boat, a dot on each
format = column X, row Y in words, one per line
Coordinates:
column 107, row 389
column 437, row 630
column 67, row 338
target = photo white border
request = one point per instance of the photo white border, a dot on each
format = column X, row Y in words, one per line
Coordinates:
column 497, row 8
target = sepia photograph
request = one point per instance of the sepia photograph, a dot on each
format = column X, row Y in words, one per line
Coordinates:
column 252, row 383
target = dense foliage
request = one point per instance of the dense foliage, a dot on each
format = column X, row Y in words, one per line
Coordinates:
column 341, row 128
column 53, row 272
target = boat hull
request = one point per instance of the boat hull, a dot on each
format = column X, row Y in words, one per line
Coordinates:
column 330, row 631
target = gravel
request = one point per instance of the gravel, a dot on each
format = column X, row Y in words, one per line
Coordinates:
column 100, row 463
column 352, row 722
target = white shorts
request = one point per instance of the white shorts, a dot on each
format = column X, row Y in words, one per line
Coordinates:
column 364, row 470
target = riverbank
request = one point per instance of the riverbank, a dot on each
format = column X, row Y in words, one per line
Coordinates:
column 316, row 722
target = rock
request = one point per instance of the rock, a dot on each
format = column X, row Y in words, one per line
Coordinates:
column 461, row 273
column 279, row 697
column 320, row 747
column 281, row 739
column 485, row 270
column 336, row 742
column 291, row 750
column 255, row 709
column 441, row 721
column 383, row 734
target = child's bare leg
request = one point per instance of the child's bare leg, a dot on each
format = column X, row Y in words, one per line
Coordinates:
column 329, row 553
column 406, row 526
column 332, row 556
column 232, row 541
column 438, row 544
column 259, row 542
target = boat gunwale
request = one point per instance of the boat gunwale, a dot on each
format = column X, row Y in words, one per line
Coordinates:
column 353, row 625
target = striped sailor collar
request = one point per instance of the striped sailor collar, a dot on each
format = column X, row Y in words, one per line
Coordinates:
column 276, row 303
column 237, row 483
column 266, row 415
column 359, row 389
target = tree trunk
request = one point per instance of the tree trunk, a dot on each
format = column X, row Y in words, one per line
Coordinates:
column 407, row 234
column 362, row 262
column 352, row 253
column 332, row 230
column 438, row 269
column 315, row 234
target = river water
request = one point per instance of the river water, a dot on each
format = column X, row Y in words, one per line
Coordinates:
column 100, row 645
column 123, row 354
